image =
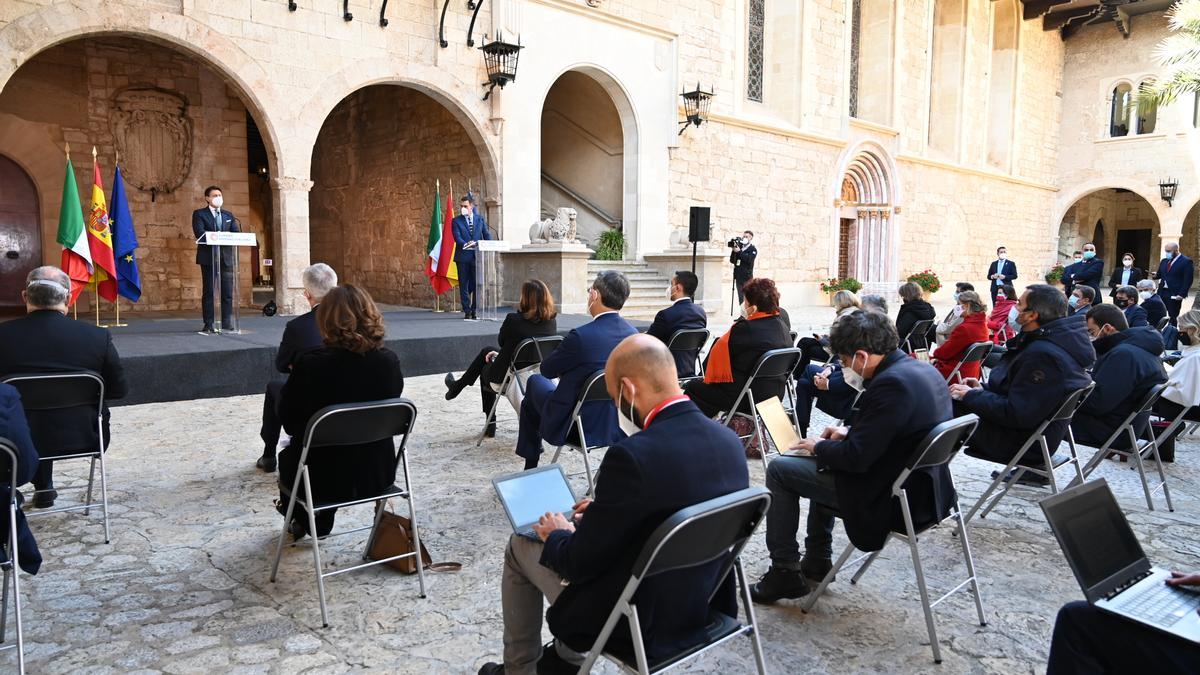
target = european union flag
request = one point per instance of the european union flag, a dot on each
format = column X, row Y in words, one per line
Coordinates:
column 129, row 283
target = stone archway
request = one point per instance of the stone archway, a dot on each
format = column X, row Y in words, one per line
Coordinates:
column 867, row 238
column 1117, row 221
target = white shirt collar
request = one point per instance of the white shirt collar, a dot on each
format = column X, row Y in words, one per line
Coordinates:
column 611, row 311
column 681, row 300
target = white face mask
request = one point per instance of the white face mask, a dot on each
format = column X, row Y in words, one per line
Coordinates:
column 1004, row 256
column 745, row 241
column 670, row 290
column 465, row 211
column 853, row 379
column 1079, row 260
column 1128, row 262
column 1145, row 295
column 624, row 421
column 218, row 201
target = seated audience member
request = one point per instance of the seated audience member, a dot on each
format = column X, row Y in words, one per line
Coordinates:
column 1046, row 361
column 1089, row 640
column 874, row 302
column 682, row 314
column 972, row 329
column 826, row 385
column 954, row 316
column 1000, row 322
column 1148, row 295
column 14, row 427
column 732, row 359
column 1126, row 298
column 1183, row 383
column 813, row 349
column 353, row 366
column 546, row 410
column 46, row 341
column 1125, row 275
column 1081, row 300
column 1128, row 364
column 677, row 459
column 913, row 308
column 852, row 469
column 300, row 336
column 535, row 317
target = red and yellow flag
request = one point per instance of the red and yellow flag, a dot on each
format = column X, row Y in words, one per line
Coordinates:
column 104, row 271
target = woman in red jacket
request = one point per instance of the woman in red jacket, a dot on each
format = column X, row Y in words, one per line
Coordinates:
column 972, row 329
column 998, row 322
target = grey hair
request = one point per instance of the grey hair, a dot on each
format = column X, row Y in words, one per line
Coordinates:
column 909, row 291
column 613, row 288
column 871, row 332
column 874, row 302
column 47, row 287
column 1147, row 285
column 319, row 279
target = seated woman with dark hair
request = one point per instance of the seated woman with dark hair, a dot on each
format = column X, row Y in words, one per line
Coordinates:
column 1003, row 315
column 913, row 310
column 972, row 329
column 353, row 366
column 734, row 355
column 534, row 318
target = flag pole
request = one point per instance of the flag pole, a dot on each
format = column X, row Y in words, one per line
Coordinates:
column 74, row 305
column 117, row 301
column 97, row 303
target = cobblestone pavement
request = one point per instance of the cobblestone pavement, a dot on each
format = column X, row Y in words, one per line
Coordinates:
column 183, row 586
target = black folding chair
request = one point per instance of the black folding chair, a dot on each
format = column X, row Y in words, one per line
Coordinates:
column 529, row 353
column 690, row 340
column 353, row 424
column 594, row 389
column 775, row 363
column 1012, row 473
column 1163, row 323
column 918, row 336
column 717, row 529
column 11, row 565
column 1139, row 448
column 940, row 446
column 976, row 353
column 44, row 392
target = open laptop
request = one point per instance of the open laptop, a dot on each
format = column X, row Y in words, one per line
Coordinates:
column 528, row 495
column 1110, row 566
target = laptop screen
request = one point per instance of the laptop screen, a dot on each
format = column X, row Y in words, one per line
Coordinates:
column 529, row 495
column 1093, row 533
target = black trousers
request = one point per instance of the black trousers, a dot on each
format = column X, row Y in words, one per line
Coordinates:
column 289, row 465
column 206, row 294
column 466, row 287
column 1089, row 640
column 43, row 478
column 271, row 425
column 486, row 374
column 1168, row 410
column 738, row 282
column 1173, row 307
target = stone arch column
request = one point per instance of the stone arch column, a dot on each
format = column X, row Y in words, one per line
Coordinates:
column 875, row 235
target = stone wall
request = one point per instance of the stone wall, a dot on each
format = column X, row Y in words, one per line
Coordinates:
column 375, row 167
column 65, row 95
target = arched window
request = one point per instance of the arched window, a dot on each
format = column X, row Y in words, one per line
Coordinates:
column 1147, row 116
column 1003, row 82
column 871, row 60
column 756, row 22
column 1118, row 121
column 946, row 74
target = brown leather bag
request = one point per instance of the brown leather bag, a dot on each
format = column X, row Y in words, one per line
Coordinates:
column 393, row 538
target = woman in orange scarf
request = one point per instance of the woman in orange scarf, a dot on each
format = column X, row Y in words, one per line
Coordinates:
column 732, row 358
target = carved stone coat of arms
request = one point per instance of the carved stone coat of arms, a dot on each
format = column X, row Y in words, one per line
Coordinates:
column 153, row 135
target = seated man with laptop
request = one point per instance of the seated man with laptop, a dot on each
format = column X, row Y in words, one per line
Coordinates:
column 1136, row 617
column 673, row 457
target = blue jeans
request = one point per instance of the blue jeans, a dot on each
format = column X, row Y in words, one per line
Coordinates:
column 789, row 479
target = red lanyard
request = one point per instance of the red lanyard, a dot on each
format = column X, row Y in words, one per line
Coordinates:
column 658, row 408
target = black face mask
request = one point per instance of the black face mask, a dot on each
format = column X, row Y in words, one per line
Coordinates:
column 1185, row 339
column 1121, row 303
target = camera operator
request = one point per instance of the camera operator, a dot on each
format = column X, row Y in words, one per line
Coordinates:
column 742, row 259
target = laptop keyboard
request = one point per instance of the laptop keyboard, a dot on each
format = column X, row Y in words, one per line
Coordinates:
column 1160, row 604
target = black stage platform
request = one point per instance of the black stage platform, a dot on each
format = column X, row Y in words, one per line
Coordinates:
column 165, row 359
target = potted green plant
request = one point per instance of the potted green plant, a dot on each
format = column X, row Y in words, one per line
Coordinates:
column 611, row 245
column 831, row 286
column 1055, row 275
column 928, row 281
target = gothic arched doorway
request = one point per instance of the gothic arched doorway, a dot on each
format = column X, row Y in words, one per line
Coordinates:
column 20, row 236
column 865, row 243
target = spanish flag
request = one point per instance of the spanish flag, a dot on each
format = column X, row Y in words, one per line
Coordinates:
column 104, row 272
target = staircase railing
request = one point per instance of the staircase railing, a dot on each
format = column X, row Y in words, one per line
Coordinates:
column 588, row 204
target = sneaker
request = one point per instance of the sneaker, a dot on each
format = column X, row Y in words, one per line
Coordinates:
column 815, row 569
column 778, row 584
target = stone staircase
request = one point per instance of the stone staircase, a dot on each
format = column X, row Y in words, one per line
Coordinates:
column 647, row 287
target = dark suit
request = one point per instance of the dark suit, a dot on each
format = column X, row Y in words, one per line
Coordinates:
column 743, row 267
column 300, row 336
column 14, row 428
column 1175, row 277
column 1155, row 309
column 1136, row 316
column 203, row 220
column 680, row 459
column 467, row 229
column 1068, row 277
column 1114, row 281
column 1088, row 273
column 45, row 341
column 748, row 341
column 329, row 376
column 515, row 330
column 683, row 314
column 1128, row 365
column 546, row 410
column 1006, row 267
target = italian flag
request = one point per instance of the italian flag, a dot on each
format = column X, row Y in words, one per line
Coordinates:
column 76, row 255
column 439, row 263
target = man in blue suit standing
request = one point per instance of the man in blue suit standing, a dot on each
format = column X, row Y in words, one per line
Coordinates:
column 213, row 218
column 682, row 314
column 546, row 410
column 1089, row 271
column 1174, row 274
column 469, row 229
column 1002, row 271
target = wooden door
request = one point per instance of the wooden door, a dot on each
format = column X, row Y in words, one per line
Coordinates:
column 20, row 231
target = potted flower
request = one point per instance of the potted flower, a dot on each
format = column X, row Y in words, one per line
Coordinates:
column 1054, row 277
column 831, row 286
column 928, row 281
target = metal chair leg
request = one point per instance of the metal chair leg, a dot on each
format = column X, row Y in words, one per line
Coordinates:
column 412, row 519
column 316, row 548
column 104, row 496
column 4, row 606
column 1048, row 462
column 916, row 558
column 970, row 561
column 379, row 504
column 837, row 566
column 760, row 662
column 587, row 469
column 557, row 452
column 862, row 569
column 15, row 562
column 91, row 479
column 491, row 416
column 639, row 647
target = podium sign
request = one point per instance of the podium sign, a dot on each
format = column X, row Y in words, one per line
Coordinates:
column 488, row 283
column 234, row 241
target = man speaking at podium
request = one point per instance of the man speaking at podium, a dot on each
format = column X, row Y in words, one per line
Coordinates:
column 212, row 218
column 468, row 228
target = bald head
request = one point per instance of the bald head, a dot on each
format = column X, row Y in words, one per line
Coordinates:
column 47, row 287
column 644, row 367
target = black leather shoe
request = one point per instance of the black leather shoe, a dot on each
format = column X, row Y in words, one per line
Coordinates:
column 815, row 569
column 492, row 669
column 551, row 663
column 452, row 387
column 473, row 317
column 778, row 584
column 490, row 432
column 44, row 499
column 208, row 328
column 266, row 463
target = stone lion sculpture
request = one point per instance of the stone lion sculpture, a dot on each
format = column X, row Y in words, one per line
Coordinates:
column 562, row 228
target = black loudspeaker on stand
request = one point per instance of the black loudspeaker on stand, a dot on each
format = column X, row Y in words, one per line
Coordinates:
column 698, row 229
